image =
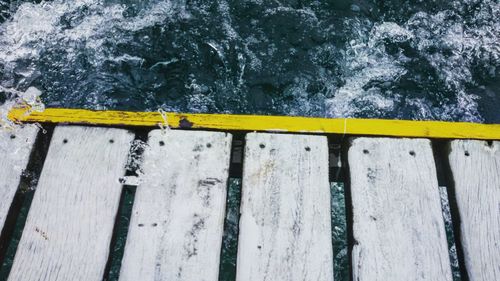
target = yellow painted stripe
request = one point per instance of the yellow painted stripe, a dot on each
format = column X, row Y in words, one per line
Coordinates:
column 372, row 127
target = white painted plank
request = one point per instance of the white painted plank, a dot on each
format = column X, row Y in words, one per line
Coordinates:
column 177, row 220
column 70, row 223
column 285, row 223
column 475, row 167
column 15, row 150
column 398, row 225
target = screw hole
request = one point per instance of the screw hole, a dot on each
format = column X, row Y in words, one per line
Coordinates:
column 467, row 153
column 262, row 145
column 111, row 141
column 140, row 225
column 308, row 148
column 209, row 145
column 365, row 151
column 154, row 224
column 412, row 153
column 12, row 136
column 162, row 143
column 65, row 141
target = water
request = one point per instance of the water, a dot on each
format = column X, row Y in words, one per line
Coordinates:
column 339, row 232
column 404, row 59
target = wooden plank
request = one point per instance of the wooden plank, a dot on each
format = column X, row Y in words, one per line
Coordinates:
column 177, row 220
column 344, row 126
column 285, row 224
column 15, row 150
column 475, row 167
column 70, row 223
column 398, row 225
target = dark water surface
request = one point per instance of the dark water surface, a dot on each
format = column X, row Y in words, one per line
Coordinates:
column 403, row 59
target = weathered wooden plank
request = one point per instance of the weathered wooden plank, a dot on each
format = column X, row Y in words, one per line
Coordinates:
column 15, row 150
column 70, row 223
column 285, row 224
column 475, row 167
column 398, row 226
column 177, row 220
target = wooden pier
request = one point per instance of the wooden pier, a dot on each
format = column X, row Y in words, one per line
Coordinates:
column 395, row 220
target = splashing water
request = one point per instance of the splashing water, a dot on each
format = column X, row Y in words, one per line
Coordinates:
column 391, row 59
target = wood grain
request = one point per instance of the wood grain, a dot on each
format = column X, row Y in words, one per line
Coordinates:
column 15, row 150
column 285, row 224
column 398, row 225
column 178, row 216
column 70, row 223
column 475, row 167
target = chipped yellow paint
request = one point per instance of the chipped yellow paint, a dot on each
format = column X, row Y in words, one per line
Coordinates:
column 227, row 122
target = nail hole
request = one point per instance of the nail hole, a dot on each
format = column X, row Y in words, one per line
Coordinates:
column 365, row 151
column 65, row 141
column 111, row 141
column 154, row 224
column 467, row 153
column 140, row 225
column 262, row 145
column 490, row 143
column 308, row 148
column 209, row 145
column 259, row 247
column 412, row 153
column 12, row 136
column 162, row 143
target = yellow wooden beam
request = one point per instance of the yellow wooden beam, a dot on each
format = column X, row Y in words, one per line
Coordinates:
column 224, row 122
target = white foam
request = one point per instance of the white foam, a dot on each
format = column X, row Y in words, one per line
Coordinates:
column 35, row 27
column 365, row 61
column 459, row 46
